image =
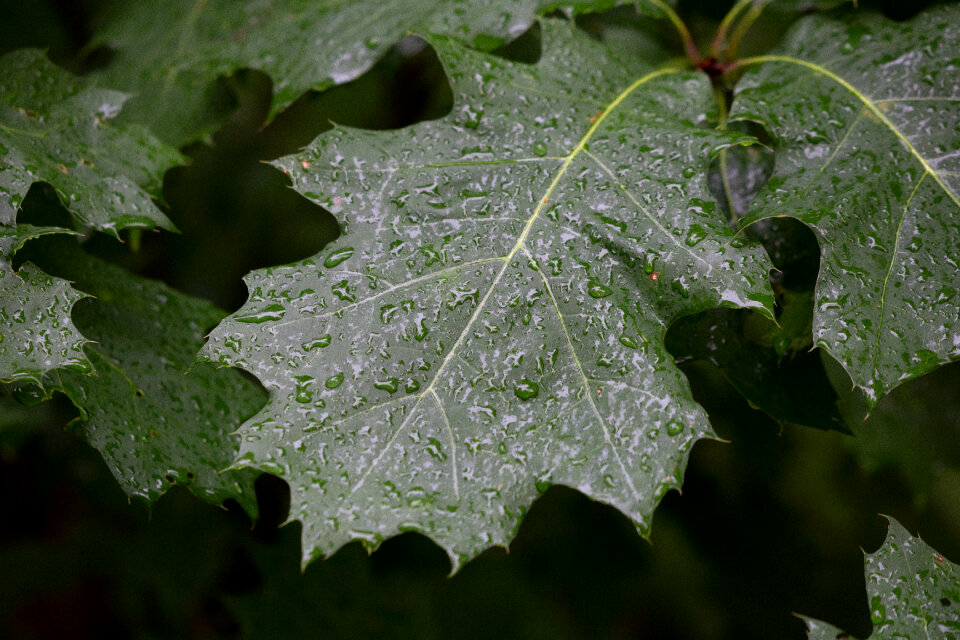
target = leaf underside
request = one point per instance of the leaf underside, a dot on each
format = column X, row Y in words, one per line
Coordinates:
column 914, row 591
column 492, row 320
column 865, row 116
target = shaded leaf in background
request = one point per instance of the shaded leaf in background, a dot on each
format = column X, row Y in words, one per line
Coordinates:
column 914, row 591
column 915, row 429
column 742, row 345
column 171, row 52
column 155, row 424
column 490, row 322
column 864, row 115
column 54, row 128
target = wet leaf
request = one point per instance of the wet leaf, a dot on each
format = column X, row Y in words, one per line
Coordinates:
column 914, row 592
column 864, row 114
column 169, row 53
column 55, row 128
column 37, row 333
column 497, row 323
column 747, row 350
column 155, row 423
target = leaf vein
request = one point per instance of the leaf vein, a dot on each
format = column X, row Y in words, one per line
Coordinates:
column 586, row 384
column 453, row 445
column 886, row 278
column 868, row 102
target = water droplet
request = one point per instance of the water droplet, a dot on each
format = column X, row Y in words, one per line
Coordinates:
column 416, row 497
column 674, row 428
column 598, row 290
column 304, row 394
column 387, row 312
column 411, row 385
column 527, row 389
column 342, row 291
column 337, row 257
column 422, row 330
column 318, row 343
column 878, row 613
column 540, row 149
column 627, row 341
column 435, row 449
column 267, row 314
column 29, row 395
column 389, row 385
column 695, row 235
column 334, row 381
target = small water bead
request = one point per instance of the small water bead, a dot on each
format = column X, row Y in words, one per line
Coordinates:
column 334, row 381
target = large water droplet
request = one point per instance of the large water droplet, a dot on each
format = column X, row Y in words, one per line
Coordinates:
column 337, row 257
column 267, row 314
column 390, row 385
column 334, row 381
column 317, row 343
column 598, row 290
column 695, row 235
column 878, row 613
column 527, row 389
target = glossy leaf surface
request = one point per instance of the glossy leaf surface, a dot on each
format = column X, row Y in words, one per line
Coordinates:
column 492, row 319
column 914, row 591
column 55, row 129
column 154, row 422
column 864, row 114
column 37, row 333
column 170, row 52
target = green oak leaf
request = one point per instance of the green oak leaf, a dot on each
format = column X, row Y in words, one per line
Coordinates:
column 914, row 591
column 492, row 319
column 55, row 128
column 865, row 117
column 154, row 424
column 170, row 52
column 745, row 347
column 37, row 333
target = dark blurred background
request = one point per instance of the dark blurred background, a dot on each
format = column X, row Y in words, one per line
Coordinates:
column 769, row 523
